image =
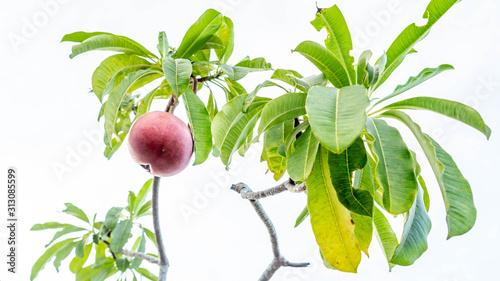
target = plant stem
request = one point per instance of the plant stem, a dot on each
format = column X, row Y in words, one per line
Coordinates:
column 172, row 104
column 208, row 78
column 162, row 276
column 195, row 84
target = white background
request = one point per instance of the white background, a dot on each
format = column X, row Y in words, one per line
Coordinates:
column 48, row 114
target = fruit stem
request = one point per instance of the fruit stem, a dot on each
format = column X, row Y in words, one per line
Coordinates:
column 172, row 104
column 162, row 276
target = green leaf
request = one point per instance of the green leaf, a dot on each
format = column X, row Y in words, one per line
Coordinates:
column 330, row 220
column 414, row 240
column 111, row 66
column 77, row 263
column 452, row 109
column 145, row 210
column 226, row 35
column 379, row 68
column 273, row 138
column 50, row 225
column 212, row 106
column 80, row 248
column 47, row 256
column 163, row 46
column 214, row 43
column 302, row 216
column 411, row 35
column 231, row 126
column 142, row 195
column 339, row 38
column 110, row 42
column 283, row 108
column 363, row 229
column 150, row 235
column 146, row 273
column 292, row 78
column 290, row 139
column 76, row 212
column 80, row 36
column 315, row 80
column 120, row 235
column 413, row 81
column 112, row 217
column 100, row 272
column 200, row 126
column 144, row 104
column 199, row 33
column 234, row 72
column 131, row 202
column 385, row 235
column 122, row 264
column 337, row 117
column 63, row 253
column 341, row 168
column 66, row 230
column 235, row 87
column 142, row 247
column 256, row 64
column 111, row 112
column 116, row 79
column 395, row 169
column 427, row 200
column 455, row 189
column 364, row 178
column 253, row 94
column 325, row 61
column 301, row 161
column 178, row 74
column 362, row 72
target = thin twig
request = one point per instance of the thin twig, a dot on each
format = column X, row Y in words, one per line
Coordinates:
column 162, row 276
column 278, row 259
column 143, row 256
column 208, row 78
column 109, row 247
column 284, row 186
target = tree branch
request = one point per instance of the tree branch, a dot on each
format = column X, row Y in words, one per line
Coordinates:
column 278, row 259
column 162, row 276
column 289, row 185
column 143, row 256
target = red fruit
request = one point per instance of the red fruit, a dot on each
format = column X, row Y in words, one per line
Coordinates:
column 161, row 142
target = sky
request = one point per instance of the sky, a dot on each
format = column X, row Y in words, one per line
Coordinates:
column 49, row 119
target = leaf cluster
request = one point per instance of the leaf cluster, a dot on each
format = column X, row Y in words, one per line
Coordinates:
column 95, row 249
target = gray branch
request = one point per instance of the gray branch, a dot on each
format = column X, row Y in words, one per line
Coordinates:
column 143, row 256
column 289, row 185
column 162, row 276
column 278, row 259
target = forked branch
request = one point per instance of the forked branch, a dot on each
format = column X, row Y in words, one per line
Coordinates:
column 278, row 259
column 288, row 185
